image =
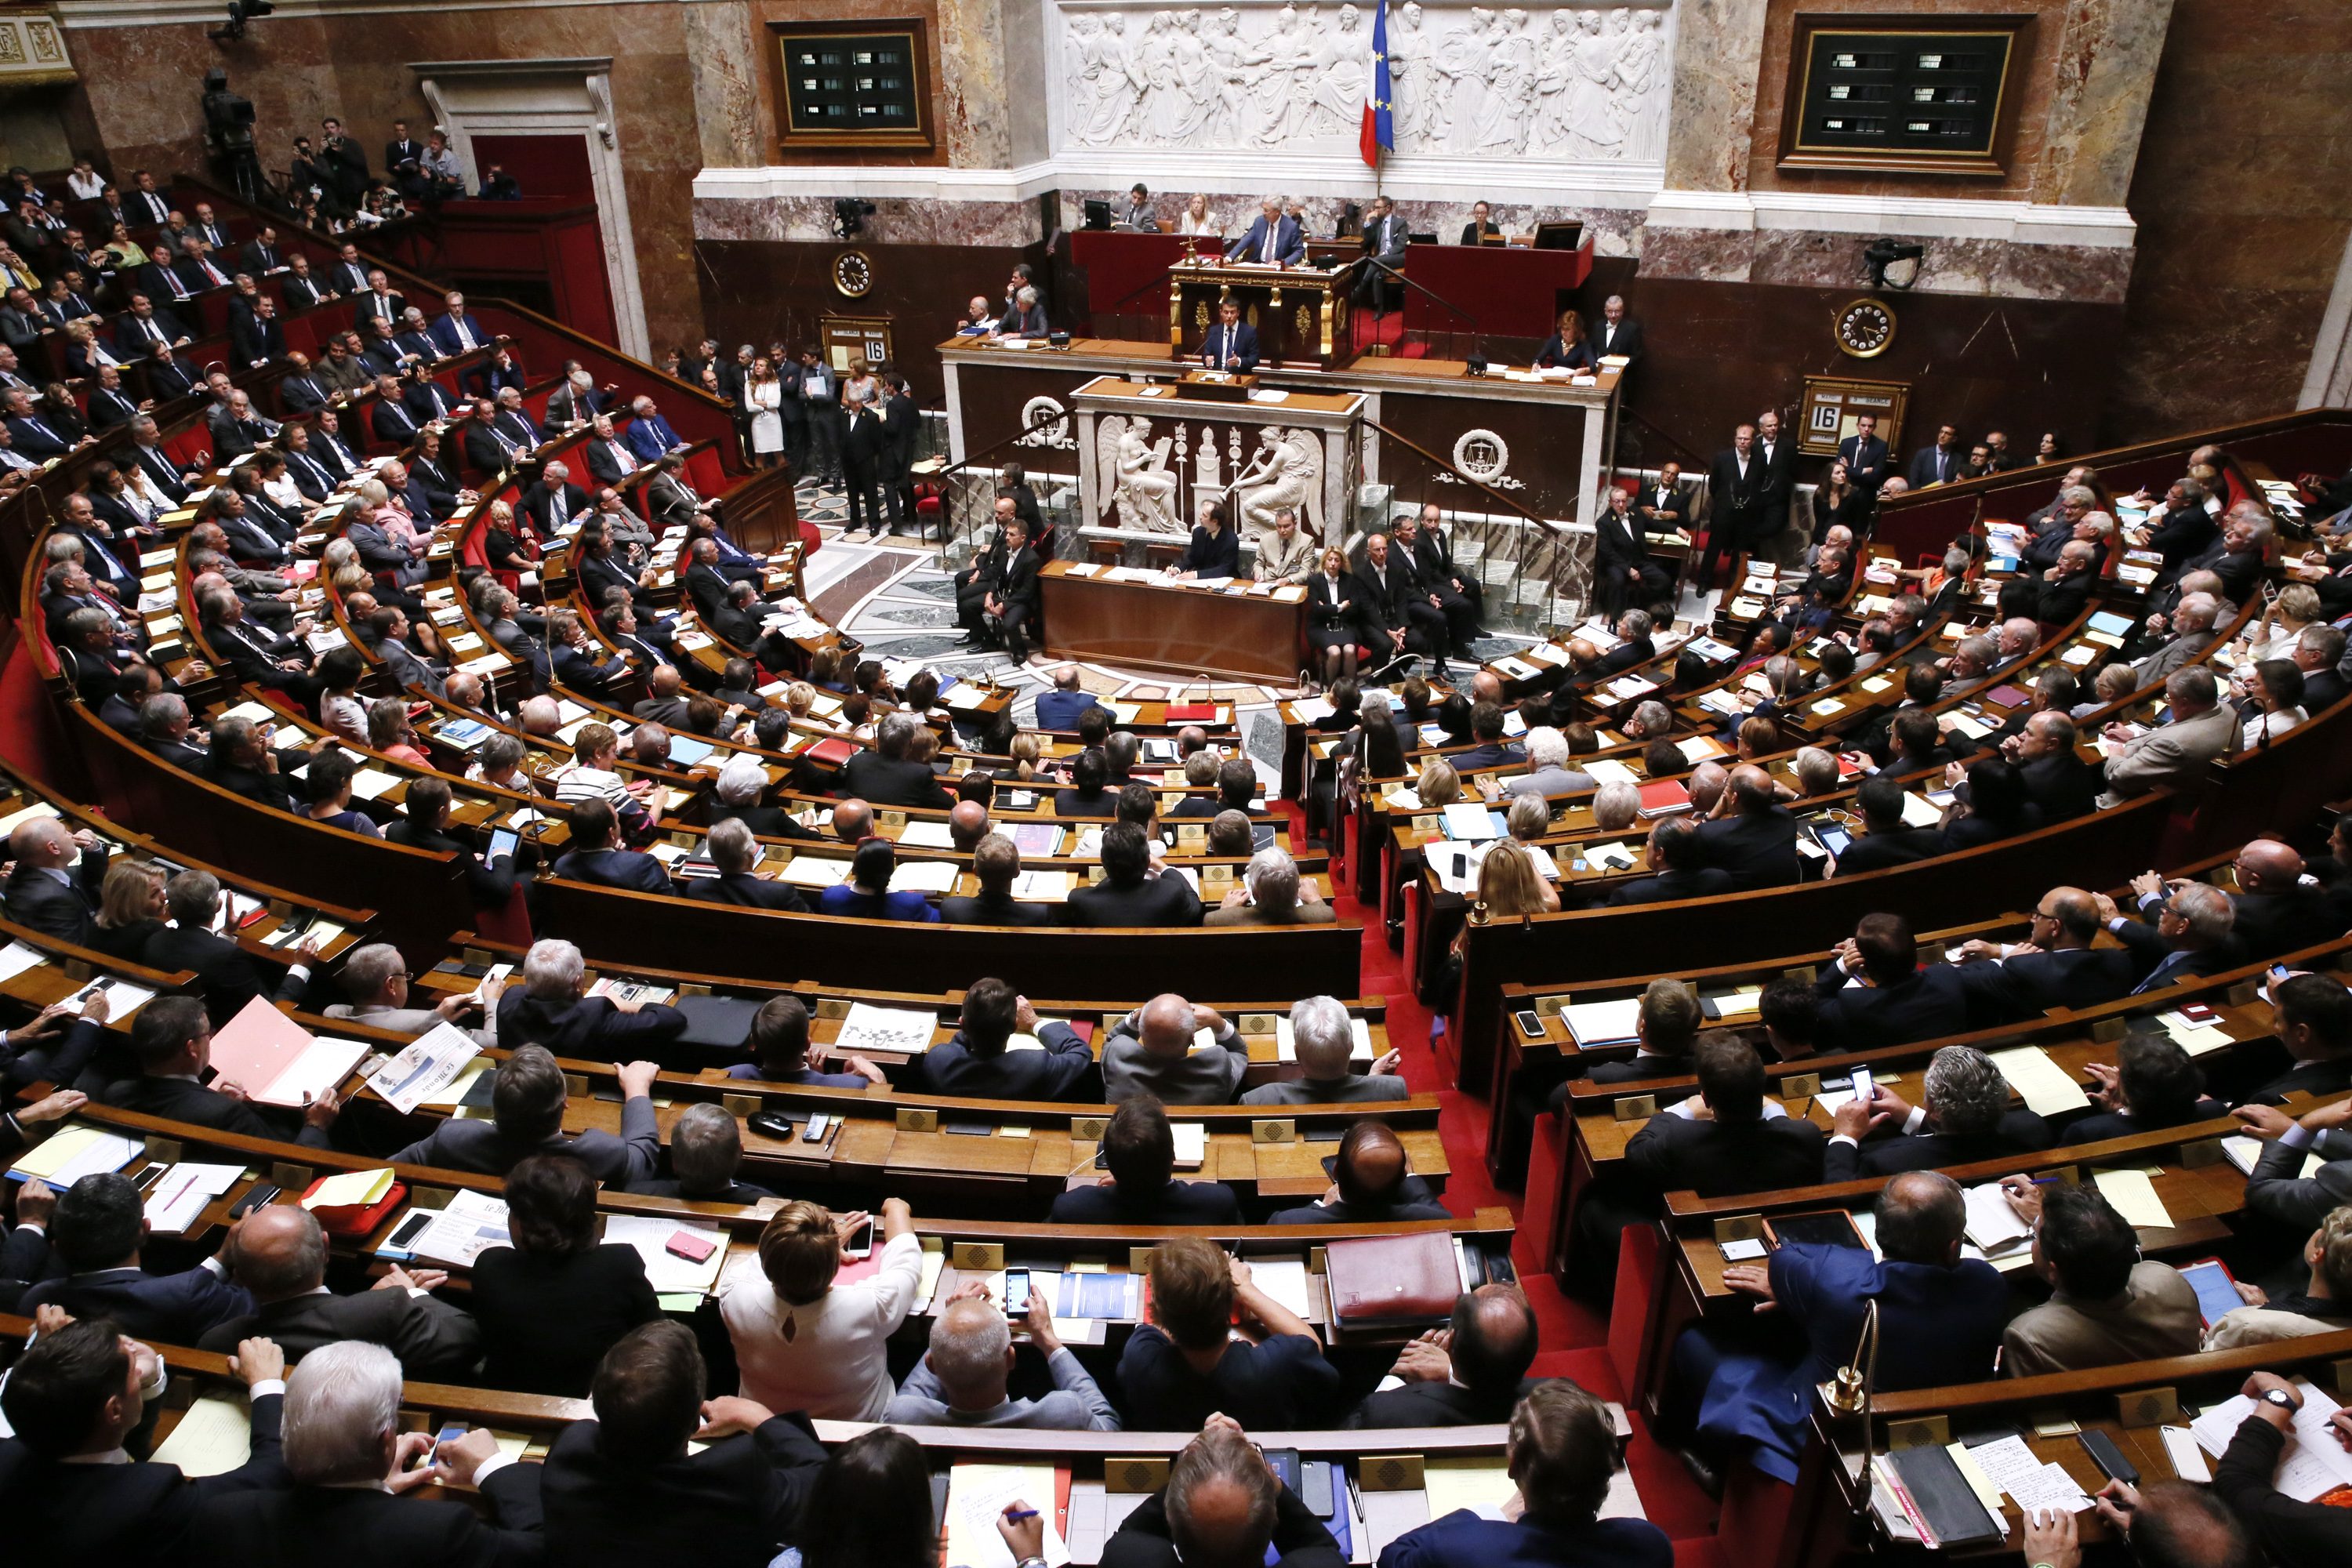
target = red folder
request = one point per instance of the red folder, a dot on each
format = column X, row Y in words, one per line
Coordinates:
column 1664, row 797
column 831, row 753
column 1191, row 712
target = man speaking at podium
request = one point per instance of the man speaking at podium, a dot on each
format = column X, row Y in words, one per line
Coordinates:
column 1271, row 237
column 1232, row 343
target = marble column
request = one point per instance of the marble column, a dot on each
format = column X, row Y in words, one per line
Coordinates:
column 976, row 119
column 2109, row 49
column 1717, row 50
column 723, row 55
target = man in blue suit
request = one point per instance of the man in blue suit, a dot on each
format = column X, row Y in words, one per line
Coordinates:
column 1232, row 343
column 1896, row 1001
column 456, row 333
column 96, row 1234
column 594, row 858
column 1865, row 455
column 1940, row 1323
column 649, row 434
column 978, row 1064
column 1059, row 708
column 1272, row 237
column 551, row 1008
column 1562, row 1452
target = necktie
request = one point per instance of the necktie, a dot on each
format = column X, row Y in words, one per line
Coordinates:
column 178, row 290
column 555, row 507
column 154, row 334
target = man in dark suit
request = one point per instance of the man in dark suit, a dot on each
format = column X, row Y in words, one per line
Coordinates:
column 1778, row 453
column 143, row 325
column 1735, row 492
column 976, row 1063
column 1459, row 594
column 1757, row 841
column 1966, row 1118
column 1731, row 1140
column 1129, row 895
column 1474, row 1377
column 259, row 337
column 1678, row 860
column 350, row 1462
column 623, row 1488
column 172, row 1043
column 595, row 857
column 1663, row 505
column 2192, row 934
column 1232, row 343
column 2055, row 779
column 2057, row 968
column 1886, row 841
column 1937, row 464
column 53, row 886
column 551, row 501
column 1372, row 1183
column 378, row 303
column 2184, row 528
column 526, row 1105
column 1014, row 598
column 279, row 1255
column 2276, row 911
column 1865, row 455
column 69, row 1487
column 735, row 851
column 1254, row 1518
column 1383, row 591
column 96, row 1230
column 1624, row 571
column 551, row 1008
column 1895, row 1002
column 1274, row 236
column 862, row 443
column 1139, row 1150
column 193, row 942
column 2312, row 1017
column 884, row 774
column 995, row 864
column 1616, row 334
column 1384, row 241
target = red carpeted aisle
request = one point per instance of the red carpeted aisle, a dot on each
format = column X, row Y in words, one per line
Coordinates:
column 1573, row 1332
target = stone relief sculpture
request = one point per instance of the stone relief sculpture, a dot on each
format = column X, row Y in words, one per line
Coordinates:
column 1584, row 84
column 1133, row 476
column 1287, row 470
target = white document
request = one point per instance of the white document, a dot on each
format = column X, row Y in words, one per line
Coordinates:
column 1283, row 1279
column 1604, row 1023
column 471, row 1224
column 669, row 1274
column 17, row 958
column 1192, row 1144
column 214, row 1437
column 1470, row 821
column 924, row 876
column 2044, row 1085
column 927, row 835
column 1992, row 1224
column 425, row 1067
column 2133, row 1196
column 174, row 1202
column 979, row 1494
column 870, row 1028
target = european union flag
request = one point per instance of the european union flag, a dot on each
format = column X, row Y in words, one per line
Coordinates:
column 1380, row 107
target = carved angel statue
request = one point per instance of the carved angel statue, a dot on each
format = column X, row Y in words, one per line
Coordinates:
column 1132, row 474
column 1286, row 471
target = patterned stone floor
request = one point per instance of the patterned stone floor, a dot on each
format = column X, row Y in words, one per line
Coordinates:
column 892, row 594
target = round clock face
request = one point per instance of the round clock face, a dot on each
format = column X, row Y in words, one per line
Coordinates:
column 1865, row 328
column 852, row 274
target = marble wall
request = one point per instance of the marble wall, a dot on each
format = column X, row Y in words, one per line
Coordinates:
column 2244, row 205
column 298, row 69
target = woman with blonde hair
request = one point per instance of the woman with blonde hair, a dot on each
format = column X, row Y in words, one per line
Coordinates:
column 1196, row 220
column 2296, row 606
column 1508, row 883
column 1438, row 786
column 1566, row 349
column 130, row 909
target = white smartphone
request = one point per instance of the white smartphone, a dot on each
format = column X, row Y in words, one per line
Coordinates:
column 1863, row 1086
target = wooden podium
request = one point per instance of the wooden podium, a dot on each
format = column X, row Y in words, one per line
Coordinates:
column 1301, row 313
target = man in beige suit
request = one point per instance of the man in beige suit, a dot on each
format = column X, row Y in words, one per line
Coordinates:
column 2177, row 753
column 2106, row 1305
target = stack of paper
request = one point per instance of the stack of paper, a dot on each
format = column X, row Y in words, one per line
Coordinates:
column 2031, row 1483
column 349, row 1189
column 69, row 1154
column 2312, row 1465
column 1992, row 1224
column 424, row 1067
column 924, row 876
column 471, row 1224
column 2132, row 1196
column 174, row 1201
column 214, row 1437
column 2041, row 1082
column 979, row 1494
column 669, row 1274
column 1192, row 1144
column 1604, row 1023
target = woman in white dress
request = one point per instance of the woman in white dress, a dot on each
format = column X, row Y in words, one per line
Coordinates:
column 1196, row 220
column 764, row 396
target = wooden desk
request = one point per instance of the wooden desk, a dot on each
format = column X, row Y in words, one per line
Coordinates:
column 1171, row 625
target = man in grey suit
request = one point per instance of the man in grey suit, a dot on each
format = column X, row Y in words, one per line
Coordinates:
column 375, row 977
column 279, row 1254
column 2277, row 1187
column 1548, row 770
column 526, row 1117
column 1325, row 1038
column 1151, row 1051
column 2177, row 753
column 2192, row 634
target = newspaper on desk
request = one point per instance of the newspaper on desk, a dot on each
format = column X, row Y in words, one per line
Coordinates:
column 472, row 1224
column 424, row 1067
column 866, row 1027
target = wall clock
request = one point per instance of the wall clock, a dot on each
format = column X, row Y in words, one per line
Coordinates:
column 1865, row 326
column 853, row 275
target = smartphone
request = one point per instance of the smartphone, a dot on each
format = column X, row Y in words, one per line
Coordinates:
column 1528, row 1023
column 860, row 1243
column 2108, row 1457
column 503, row 841
column 153, row 1174
column 685, row 1244
column 257, row 1194
column 1863, row 1085
column 1016, row 1292
column 819, row 1126
column 403, row 1236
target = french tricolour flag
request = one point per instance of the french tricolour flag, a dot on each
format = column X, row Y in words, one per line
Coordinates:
column 1380, row 123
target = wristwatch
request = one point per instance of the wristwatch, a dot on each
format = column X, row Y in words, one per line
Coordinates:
column 2280, row 1397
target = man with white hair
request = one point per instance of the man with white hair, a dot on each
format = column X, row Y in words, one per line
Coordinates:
column 351, row 1462
column 2014, row 638
column 734, row 851
column 1272, row 893
column 961, row 1381
column 2177, row 753
column 2192, row 633
column 375, row 977
column 1548, row 771
column 1325, row 1038
column 53, row 887
column 1816, row 771
column 552, row 1008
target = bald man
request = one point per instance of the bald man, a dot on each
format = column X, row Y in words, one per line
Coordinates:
column 53, row 888
column 1151, row 1051
column 2277, row 911
column 966, row 825
column 2055, row 776
column 1372, row 1183
column 665, row 700
column 1222, row 1507
column 852, row 821
column 279, row 1254
column 2055, row 966
column 1468, row 1374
